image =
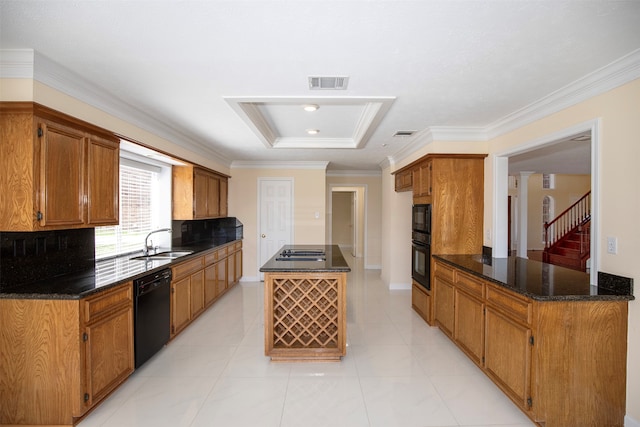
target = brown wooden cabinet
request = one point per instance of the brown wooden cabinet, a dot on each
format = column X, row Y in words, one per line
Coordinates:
column 198, row 282
column 108, row 338
column 198, row 193
column 422, row 174
column 186, row 280
column 453, row 184
column 563, row 362
column 404, row 181
column 444, row 304
column 103, row 181
column 64, row 356
column 421, row 300
column 59, row 172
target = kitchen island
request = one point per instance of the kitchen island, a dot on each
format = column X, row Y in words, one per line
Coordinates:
column 305, row 304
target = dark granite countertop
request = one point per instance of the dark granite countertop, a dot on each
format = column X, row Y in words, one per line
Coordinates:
column 106, row 274
column 334, row 261
column 541, row 281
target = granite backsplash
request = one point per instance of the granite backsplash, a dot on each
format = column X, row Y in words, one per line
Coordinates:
column 27, row 257
column 202, row 230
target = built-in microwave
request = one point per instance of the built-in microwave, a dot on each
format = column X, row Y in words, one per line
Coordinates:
column 421, row 221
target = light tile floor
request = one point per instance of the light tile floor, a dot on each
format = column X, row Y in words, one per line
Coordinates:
column 398, row 372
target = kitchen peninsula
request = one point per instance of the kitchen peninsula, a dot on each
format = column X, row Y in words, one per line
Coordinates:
column 305, row 304
column 554, row 344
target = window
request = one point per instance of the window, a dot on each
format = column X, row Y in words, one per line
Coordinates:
column 549, row 181
column 139, row 201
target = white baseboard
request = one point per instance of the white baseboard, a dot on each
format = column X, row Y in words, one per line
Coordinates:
column 373, row 267
column 399, row 286
column 250, row 279
column 630, row 422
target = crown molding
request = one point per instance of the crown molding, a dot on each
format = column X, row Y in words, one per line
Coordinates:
column 247, row 164
column 458, row 133
column 617, row 73
column 417, row 141
column 16, row 63
column 64, row 80
column 354, row 173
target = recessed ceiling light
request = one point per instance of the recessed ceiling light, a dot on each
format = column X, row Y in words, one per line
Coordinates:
column 310, row 107
column 313, row 131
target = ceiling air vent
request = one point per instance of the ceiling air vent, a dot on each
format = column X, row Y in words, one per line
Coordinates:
column 404, row 133
column 338, row 83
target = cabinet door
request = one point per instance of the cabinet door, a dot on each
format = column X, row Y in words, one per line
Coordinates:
column 421, row 301
column 222, row 283
column 508, row 355
column 210, row 281
column 223, row 197
column 444, row 305
column 108, row 354
column 103, row 181
column 231, row 269
column 180, row 304
column 213, row 196
column 61, row 192
column 425, row 178
column 238, row 264
column 197, row 293
column 469, row 325
column 200, row 194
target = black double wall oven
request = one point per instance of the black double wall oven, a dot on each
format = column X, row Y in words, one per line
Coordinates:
column 421, row 245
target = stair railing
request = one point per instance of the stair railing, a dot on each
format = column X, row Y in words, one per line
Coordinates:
column 571, row 218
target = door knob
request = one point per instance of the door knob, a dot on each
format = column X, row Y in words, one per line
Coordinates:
column 264, row 235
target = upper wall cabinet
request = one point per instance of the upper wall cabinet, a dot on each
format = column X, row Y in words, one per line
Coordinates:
column 55, row 171
column 198, row 193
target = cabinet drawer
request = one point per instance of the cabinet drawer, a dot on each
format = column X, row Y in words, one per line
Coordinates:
column 443, row 270
column 237, row 246
column 516, row 306
column 223, row 252
column 96, row 306
column 210, row 258
column 470, row 284
column 187, row 267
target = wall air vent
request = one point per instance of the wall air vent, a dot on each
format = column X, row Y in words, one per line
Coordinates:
column 336, row 83
column 404, row 133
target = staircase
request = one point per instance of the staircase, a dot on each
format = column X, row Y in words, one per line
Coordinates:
column 568, row 236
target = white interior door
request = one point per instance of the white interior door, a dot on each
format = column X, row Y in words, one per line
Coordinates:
column 275, row 200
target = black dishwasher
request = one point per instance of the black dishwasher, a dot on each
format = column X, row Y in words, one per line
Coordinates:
column 152, row 314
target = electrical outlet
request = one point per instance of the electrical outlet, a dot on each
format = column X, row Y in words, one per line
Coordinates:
column 612, row 245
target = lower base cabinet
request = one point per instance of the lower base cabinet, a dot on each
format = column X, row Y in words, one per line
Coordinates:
column 421, row 301
column 198, row 282
column 562, row 362
column 59, row 358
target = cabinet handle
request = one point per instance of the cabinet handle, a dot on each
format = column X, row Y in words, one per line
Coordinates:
column 263, row 236
column 85, row 337
column 39, row 216
column 86, row 397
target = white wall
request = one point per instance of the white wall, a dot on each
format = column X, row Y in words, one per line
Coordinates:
column 308, row 198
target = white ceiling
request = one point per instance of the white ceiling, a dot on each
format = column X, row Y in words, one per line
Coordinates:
column 225, row 77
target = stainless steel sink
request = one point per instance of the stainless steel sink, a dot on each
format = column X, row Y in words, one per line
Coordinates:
column 163, row 255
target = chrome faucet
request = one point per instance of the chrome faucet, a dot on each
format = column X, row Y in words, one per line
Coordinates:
column 145, row 250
